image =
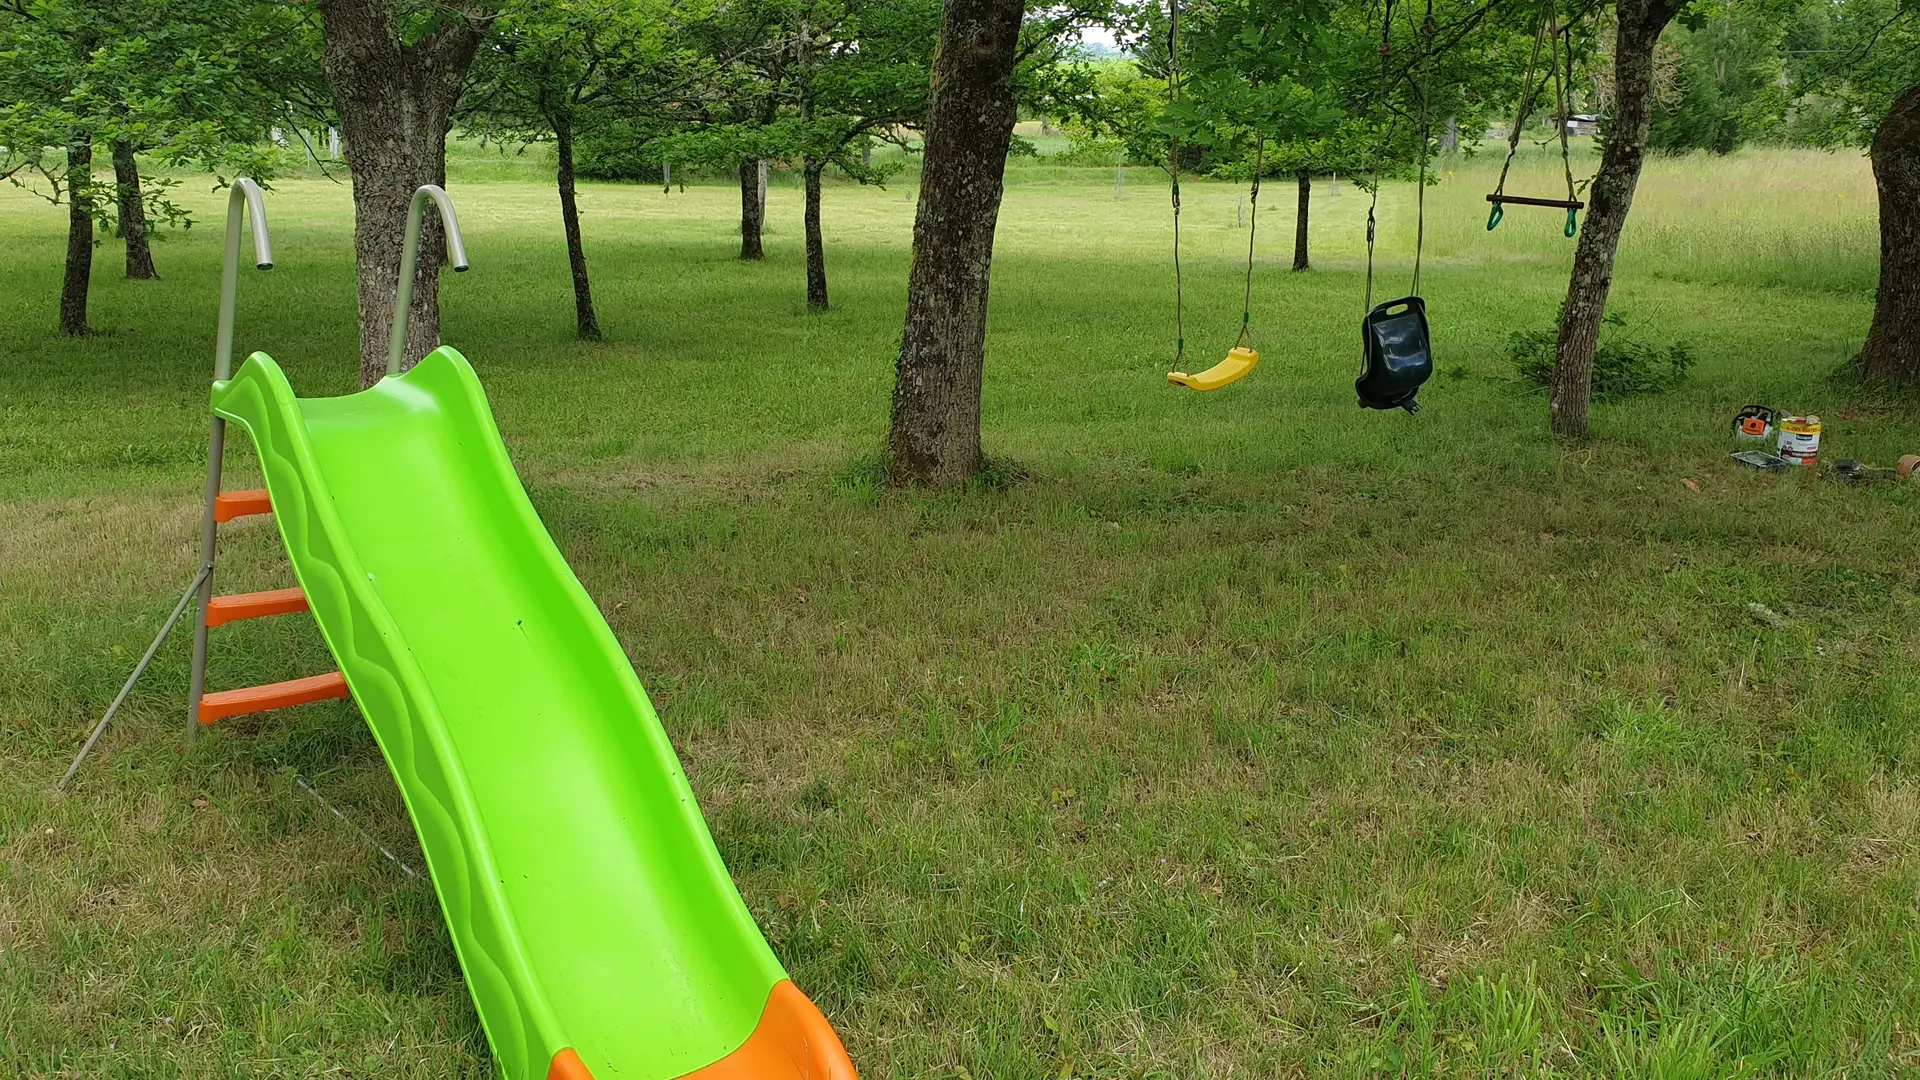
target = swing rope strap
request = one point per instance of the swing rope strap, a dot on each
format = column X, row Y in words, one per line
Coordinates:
column 1253, row 224
column 1426, row 134
column 1562, row 84
column 1386, row 57
column 1245, row 336
column 1556, row 39
column 1173, row 169
column 1527, row 90
column 1421, row 89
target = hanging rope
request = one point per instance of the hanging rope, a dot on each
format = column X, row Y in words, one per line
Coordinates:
column 1560, row 91
column 1253, row 221
column 1173, row 169
column 1421, row 88
column 1386, row 57
column 1557, row 41
column 1519, row 124
column 1397, row 353
column 1426, row 135
column 1253, row 224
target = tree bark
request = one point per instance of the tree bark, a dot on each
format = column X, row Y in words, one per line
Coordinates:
column 395, row 103
column 133, row 213
column 751, row 212
column 1892, row 352
column 1609, row 198
column 1300, row 219
column 73, row 290
column 586, row 323
column 816, row 247
column 934, row 435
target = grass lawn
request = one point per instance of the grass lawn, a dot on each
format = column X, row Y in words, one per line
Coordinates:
column 1241, row 735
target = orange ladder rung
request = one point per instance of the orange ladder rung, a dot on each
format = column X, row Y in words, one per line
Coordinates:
column 238, row 504
column 222, row 610
column 278, row 695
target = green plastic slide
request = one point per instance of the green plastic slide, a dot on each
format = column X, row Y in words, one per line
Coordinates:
column 600, row 934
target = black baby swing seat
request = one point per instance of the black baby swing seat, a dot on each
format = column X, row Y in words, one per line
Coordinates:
column 1398, row 355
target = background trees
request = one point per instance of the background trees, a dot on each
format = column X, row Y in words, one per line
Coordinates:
column 860, row 72
column 1267, row 87
column 824, row 80
column 933, row 437
column 1892, row 350
column 1638, row 26
column 85, row 80
column 1857, row 66
column 1306, row 84
column 933, row 432
column 396, row 73
column 1718, row 73
column 553, row 69
column 1287, row 88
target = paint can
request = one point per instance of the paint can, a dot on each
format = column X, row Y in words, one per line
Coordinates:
column 1800, row 439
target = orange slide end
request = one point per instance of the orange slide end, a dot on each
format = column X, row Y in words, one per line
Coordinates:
column 238, row 504
column 278, row 695
column 568, row 1066
column 792, row 1041
column 222, row 610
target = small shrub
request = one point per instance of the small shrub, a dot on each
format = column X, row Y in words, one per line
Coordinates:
column 864, row 477
column 1623, row 365
column 997, row 474
column 1091, row 150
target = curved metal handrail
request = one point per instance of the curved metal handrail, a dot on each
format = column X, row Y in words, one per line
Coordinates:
column 410, row 257
column 244, row 191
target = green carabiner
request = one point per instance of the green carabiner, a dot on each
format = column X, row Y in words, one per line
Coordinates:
column 1494, row 216
column 1573, row 222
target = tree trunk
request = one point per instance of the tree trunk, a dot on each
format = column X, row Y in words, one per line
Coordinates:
column 587, row 324
column 934, row 435
column 816, row 247
column 1892, row 352
column 1609, row 199
column 133, row 213
column 1450, row 136
column 751, row 212
column 395, row 103
column 73, row 291
column 1300, row 218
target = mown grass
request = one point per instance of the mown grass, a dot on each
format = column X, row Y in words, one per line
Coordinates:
column 1242, row 735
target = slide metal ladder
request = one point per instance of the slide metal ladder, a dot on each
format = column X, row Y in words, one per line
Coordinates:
column 245, row 203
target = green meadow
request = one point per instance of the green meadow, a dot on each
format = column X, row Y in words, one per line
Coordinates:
column 1237, row 735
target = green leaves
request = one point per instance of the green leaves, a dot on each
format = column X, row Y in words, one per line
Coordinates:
column 1846, row 63
column 1301, row 77
column 172, row 77
column 1624, row 364
column 699, row 83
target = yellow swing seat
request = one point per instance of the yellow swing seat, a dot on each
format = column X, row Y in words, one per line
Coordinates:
column 1239, row 363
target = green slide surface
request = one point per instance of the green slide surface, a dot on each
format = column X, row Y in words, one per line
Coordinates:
column 583, row 891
